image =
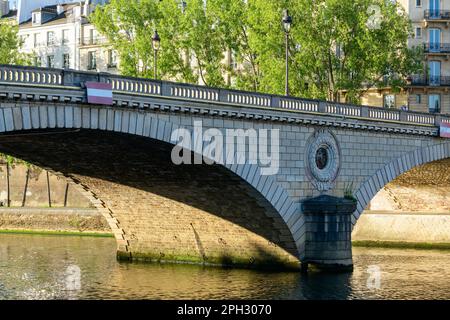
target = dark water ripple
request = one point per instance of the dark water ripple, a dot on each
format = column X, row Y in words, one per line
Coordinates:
column 36, row 267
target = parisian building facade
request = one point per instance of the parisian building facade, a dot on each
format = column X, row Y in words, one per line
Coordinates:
column 430, row 91
column 58, row 34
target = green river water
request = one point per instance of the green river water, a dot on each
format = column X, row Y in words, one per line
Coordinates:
column 59, row 267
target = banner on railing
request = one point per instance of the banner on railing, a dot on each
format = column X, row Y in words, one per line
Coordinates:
column 445, row 130
column 99, row 93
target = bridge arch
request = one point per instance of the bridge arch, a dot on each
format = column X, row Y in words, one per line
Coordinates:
column 395, row 168
column 23, row 117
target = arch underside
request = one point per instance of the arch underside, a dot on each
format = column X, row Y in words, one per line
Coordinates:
column 425, row 188
column 160, row 211
column 410, row 166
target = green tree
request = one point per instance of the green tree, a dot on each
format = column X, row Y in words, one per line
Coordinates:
column 10, row 44
column 336, row 46
column 129, row 25
column 351, row 46
column 192, row 47
column 250, row 31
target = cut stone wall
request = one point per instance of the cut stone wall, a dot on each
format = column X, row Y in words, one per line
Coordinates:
column 422, row 189
column 372, row 154
column 402, row 227
column 191, row 213
column 58, row 219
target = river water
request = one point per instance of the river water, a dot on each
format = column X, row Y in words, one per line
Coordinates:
column 58, row 267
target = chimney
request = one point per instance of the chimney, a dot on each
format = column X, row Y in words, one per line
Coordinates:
column 59, row 8
column 87, row 8
column 4, row 7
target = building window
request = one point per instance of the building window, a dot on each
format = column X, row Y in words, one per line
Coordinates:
column 418, row 98
column 434, row 103
column 36, row 40
column 233, row 60
column 65, row 36
column 92, row 37
column 37, row 61
column 112, row 58
column 389, row 101
column 50, row 38
column 50, row 61
column 418, row 32
column 66, row 61
column 419, row 3
column 434, row 69
column 92, row 60
column 36, row 18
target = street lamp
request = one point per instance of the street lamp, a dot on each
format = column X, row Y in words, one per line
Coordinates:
column 183, row 5
column 287, row 23
column 156, row 41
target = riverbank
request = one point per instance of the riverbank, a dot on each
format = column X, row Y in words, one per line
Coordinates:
column 401, row 245
column 373, row 229
column 415, row 230
column 57, row 233
column 362, row 244
column 54, row 221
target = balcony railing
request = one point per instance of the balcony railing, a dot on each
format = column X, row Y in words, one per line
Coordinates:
column 430, row 81
column 92, row 41
column 435, row 47
column 437, row 15
column 92, row 66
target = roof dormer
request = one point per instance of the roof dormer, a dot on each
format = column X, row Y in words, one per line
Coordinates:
column 36, row 17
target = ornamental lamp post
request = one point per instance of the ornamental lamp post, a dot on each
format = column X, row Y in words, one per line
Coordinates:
column 287, row 23
column 156, row 41
column 183, row 5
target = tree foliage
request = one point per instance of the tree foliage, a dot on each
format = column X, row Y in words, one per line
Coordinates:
column 335, row 45
column 10, row 44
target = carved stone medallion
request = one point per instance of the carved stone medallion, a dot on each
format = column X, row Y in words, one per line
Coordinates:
column 323, row 159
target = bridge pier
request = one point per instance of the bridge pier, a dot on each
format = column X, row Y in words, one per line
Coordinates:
column 328, row 244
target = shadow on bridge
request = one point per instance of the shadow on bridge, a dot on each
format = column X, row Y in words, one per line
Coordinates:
column 196, row 213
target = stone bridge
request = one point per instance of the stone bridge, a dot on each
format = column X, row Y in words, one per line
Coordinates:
column 228, row 214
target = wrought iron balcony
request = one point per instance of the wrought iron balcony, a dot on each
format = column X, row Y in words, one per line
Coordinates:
column 437, row 15
column 430, row 80
column 434, row 47
column 92, row 41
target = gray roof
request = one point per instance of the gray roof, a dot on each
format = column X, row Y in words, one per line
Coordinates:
column 10, row 14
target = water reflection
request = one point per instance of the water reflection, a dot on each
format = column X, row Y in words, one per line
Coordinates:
column 45, row 267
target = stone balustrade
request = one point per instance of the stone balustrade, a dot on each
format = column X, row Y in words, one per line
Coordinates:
column 68, row 78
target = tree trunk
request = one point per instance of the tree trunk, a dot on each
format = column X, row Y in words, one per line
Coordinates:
column 25, row 189
column 48, row 191
column 66, row 195
column 8, row 200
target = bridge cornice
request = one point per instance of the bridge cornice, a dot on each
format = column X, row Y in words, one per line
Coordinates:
column 20, row 94
column 24, row 83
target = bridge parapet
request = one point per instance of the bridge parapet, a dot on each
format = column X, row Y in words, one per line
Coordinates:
column 18, row 74
column 33, row 76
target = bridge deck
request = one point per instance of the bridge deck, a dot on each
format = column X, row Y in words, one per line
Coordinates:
column 74, row 80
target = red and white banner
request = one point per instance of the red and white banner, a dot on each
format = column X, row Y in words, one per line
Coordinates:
column 445, row 130
column 99, row 93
